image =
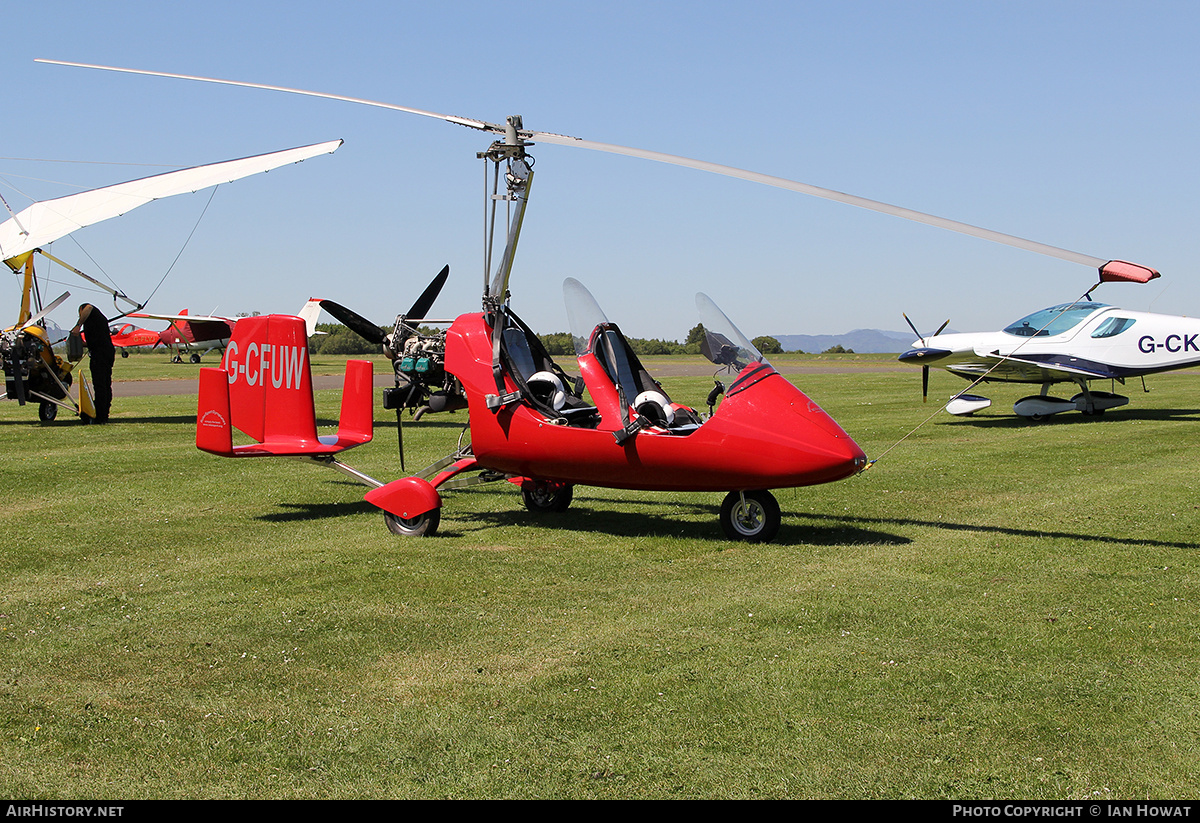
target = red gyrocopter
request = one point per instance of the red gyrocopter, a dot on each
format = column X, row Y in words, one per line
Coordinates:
column 530, row 423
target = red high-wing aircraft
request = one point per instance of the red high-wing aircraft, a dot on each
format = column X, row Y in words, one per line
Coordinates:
column 193, row 333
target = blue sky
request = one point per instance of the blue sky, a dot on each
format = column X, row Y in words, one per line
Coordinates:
column 1071, row 123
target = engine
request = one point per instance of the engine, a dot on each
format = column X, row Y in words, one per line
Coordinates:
column 419, row 362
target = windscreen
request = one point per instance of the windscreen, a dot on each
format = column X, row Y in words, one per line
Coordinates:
column 1054, row 320
column 723, row 343
column 583, row 313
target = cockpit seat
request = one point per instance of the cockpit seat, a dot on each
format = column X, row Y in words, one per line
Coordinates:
column 540, row 380
column 636, row 388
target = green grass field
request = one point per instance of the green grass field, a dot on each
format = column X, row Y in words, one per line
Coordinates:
column 996, row 609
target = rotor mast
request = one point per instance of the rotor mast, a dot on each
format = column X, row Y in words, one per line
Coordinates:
column 518, row 178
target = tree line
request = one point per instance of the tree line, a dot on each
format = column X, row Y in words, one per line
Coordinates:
column 338, row 339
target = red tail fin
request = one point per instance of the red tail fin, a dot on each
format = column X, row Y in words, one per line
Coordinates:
column 264, row 389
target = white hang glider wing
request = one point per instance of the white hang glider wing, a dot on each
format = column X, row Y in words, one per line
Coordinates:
column 49, row 220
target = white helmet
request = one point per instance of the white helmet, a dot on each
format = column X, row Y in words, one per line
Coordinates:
column 548, row 389
column 655, row 406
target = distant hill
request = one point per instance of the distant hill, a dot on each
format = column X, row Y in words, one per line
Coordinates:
column 863, row 341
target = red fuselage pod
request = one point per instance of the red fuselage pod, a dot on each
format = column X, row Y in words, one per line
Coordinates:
column 765, row 434
column 128, row 336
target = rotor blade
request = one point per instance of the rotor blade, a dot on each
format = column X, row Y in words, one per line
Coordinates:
column 355, row 322
column 425, row 301
column 58, row 301
column 449, row 118
column 829, row 194
column 687, row 162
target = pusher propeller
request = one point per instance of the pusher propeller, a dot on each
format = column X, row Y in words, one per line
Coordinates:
column 367, row 330
column 354, row 321
column 420, row 309
column 58, row 301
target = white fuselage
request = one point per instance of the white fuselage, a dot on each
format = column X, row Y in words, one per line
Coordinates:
column 1103, row 342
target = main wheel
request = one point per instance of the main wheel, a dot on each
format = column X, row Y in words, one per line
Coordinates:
column 541, row 496
column 195, row 358
column 47, row 411
column 751, row 516
column 423, row 525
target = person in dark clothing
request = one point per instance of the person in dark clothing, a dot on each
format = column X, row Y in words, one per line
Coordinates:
column 102, row 354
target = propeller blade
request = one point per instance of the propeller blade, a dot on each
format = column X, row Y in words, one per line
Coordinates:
column 57, row 302
column 425, row 302
column 924, row 383
column 355, row 322
column 942, row 327
column 515, row 135
column 920, row 336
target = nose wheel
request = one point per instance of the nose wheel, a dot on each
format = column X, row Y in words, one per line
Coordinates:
column 751, row 516
column 423, row 525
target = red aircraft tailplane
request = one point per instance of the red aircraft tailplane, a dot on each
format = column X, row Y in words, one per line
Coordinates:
column 264, row 390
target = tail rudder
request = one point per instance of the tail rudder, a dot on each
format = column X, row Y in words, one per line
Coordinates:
column 357, row 418
column 214, row 432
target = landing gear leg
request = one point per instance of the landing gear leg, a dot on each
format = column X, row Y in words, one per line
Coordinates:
column 751, row 516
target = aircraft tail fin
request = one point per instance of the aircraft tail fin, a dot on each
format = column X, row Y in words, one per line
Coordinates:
column 310, row 314
column 264, row 390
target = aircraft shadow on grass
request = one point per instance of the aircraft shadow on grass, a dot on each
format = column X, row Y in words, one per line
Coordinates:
column 842, row 529
column 1005, row 530
column 290, row 512
column 1125, row 415
column 581, row 518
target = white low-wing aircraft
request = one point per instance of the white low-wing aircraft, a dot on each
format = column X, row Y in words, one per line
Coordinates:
column 1070, row 343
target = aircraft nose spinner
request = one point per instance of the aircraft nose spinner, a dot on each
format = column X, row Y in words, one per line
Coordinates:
column 923, row 356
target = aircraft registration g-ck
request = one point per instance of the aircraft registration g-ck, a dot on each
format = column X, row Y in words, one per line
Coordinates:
column 1070, row 343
